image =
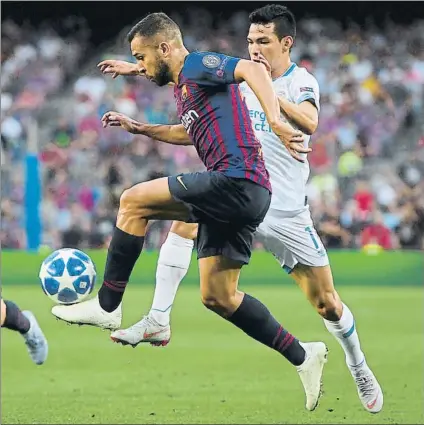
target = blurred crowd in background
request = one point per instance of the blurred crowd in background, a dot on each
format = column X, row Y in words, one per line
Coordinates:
column 367, row 165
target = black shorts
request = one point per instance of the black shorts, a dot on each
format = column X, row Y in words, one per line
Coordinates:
column 227, row 209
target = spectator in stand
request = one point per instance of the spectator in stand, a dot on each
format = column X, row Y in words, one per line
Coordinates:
column 364, row 200
column 376, row 233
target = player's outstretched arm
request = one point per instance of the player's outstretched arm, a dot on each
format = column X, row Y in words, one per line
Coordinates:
column 173, row 134
column 116, row 68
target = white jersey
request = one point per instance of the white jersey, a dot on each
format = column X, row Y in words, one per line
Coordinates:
column 288, row 176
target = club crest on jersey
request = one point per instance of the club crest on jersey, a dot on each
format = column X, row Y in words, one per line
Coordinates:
column 184, row 93
column 211, row 61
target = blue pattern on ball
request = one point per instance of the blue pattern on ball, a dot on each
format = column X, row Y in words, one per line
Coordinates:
column 75, row 267
column 51, row 257
column 82, row 256
column 51, row 285
column 68, row 276
column 56, row 268
column 67, row 295
column 82, row 284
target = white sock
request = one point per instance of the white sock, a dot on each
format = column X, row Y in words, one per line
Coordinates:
column 345, row 332
column 174, row 261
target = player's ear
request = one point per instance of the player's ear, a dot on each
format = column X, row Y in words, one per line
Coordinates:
column 287, row 43
column 164, row 48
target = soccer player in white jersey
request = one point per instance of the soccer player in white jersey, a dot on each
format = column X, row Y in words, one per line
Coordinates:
column 287, row 231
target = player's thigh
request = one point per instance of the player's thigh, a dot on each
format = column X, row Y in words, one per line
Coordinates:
column 3, row 312
column 294, row 240
column 315, row 282
column 318, row 286
column 184, row 230
column 152, row 200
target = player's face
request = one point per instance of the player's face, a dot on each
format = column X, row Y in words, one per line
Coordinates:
column 151, row 59
column 262, row 40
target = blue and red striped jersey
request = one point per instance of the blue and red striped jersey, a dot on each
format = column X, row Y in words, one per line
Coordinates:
column 215, row 116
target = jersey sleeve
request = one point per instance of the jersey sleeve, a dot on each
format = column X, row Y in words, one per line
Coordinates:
column 305, row 88
column 210, row 69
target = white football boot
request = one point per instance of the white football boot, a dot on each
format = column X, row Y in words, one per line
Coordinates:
column 147, row 330
column 310, row 372
column 35, row 340
column 89, row 313
column 369, row 390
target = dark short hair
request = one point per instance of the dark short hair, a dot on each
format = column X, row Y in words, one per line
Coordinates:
column 280, row 16
column 154, row 24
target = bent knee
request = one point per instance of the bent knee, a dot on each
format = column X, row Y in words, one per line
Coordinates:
column 185, row 230
column 132, row 203
column 221, row 304
column 329, row 306
column 131, row 197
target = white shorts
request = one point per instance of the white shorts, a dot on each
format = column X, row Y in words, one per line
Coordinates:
column 292, row 240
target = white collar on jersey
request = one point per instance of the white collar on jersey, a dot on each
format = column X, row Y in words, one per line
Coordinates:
column 287, row 72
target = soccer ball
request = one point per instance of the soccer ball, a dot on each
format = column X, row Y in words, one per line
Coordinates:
column 67, row 276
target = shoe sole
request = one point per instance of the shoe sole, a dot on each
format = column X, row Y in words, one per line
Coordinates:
column 324, row 360
column 152, row 343
column 104, row 328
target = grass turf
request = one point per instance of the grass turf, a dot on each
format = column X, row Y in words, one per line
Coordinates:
column 211, row 372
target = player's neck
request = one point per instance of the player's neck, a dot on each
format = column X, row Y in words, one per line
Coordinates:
column 179, row 63
column 281, row 68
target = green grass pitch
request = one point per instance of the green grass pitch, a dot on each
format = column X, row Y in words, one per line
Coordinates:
column 211, row 372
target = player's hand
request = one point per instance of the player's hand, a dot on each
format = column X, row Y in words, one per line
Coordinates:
column 293, row 140
column 115, row 119
column 261, row 59
column 116, row 68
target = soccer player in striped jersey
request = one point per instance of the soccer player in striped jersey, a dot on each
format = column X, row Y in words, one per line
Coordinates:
column 287, row 231
column 229, row 200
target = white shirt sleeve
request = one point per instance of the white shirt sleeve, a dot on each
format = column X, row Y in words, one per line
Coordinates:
column 304, row 88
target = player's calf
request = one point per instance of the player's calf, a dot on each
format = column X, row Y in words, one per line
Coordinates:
column 218, row 282
column 13, row 318
column 317, row 284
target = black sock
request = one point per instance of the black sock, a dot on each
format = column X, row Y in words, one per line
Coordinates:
column 123, row 252
column 15, row 319
column 255, row 319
